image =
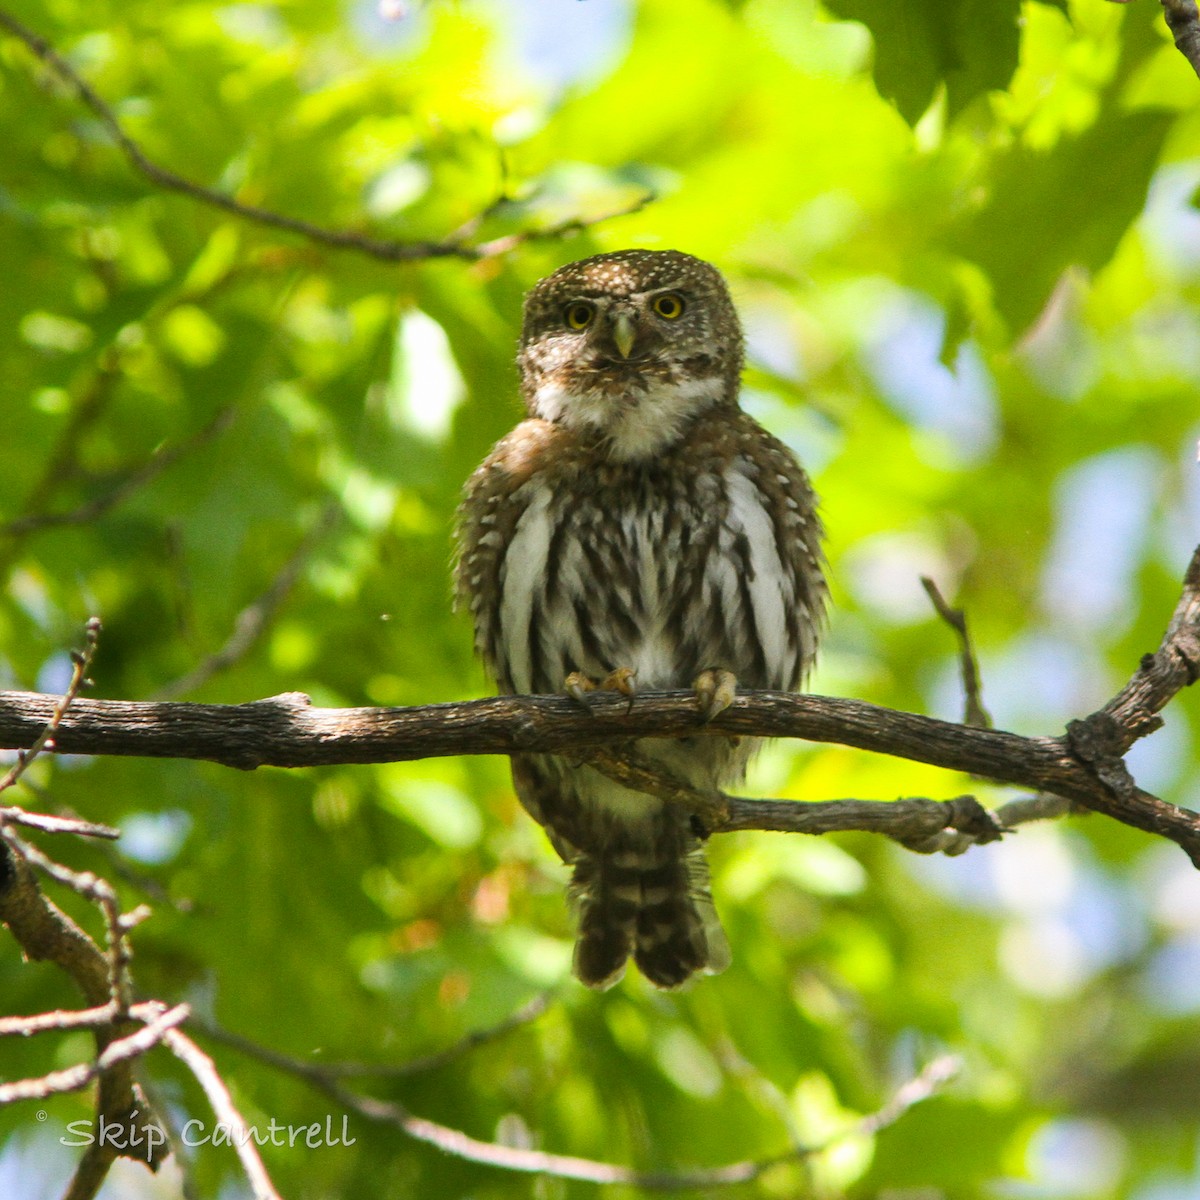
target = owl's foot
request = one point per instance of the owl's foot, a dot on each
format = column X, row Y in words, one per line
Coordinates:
column 715, row 692
column 623, row 680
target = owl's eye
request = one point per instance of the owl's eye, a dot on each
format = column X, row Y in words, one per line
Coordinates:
column 669, row 306
column 579, row 313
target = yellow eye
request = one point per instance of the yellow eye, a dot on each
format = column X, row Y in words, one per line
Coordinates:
column 669, row 306
column 579, row 313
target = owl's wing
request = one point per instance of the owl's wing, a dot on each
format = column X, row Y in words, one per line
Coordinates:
column 496, row 497
column 765, row 473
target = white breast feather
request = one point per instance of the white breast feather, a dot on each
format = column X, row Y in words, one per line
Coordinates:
column 748, row 515
column 524, row 571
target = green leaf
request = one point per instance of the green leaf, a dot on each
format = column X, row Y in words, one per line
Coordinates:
column 970, row 46
column 1046, row 210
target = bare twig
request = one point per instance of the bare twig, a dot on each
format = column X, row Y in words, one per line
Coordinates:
column 45, row 932
column 155, row 465
column 74, row 1079
column 250, row 623
column 441, row 1058
column 63, row 462
column 81, row 661
column 240, row 1134
column 88, row 885
column 563, row 1166
column 1025, row 809
column 1183, row 20
column 975, row 713
column 49, row 824
column 414, row 1066
column 624, row 765
column 388, row 251
column 60, row 1021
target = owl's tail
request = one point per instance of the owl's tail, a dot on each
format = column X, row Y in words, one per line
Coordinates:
column 660, row 912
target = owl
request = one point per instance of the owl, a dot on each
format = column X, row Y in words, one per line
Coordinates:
column 638, row 528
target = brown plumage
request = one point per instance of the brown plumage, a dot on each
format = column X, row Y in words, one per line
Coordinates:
column 638, row 519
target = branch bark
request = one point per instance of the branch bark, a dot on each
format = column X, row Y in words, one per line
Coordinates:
column 1183, row 20
column 1085, row 765
column 460, row 1144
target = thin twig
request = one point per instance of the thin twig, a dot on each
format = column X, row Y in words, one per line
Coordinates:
column 92, row 400
column 155, row 465
column 388, row 251
column 88, row 885
column 624, row 765
column 81, row 661
column 924, row 825
column 564, row 1166
column 61, row 1020
column 226, row 1112
column 49, row 824
column 250, row 623
column 74, row 1079
column 414, row 1066
column 1025, row 809
column 45, row 933
column 975, row 713
column 101, row 893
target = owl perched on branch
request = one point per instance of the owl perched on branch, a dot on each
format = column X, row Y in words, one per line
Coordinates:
column 638, row 529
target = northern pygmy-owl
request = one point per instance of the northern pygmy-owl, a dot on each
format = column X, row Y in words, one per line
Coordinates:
column 638, row 519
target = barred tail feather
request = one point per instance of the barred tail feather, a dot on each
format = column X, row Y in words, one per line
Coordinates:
column 660, row 913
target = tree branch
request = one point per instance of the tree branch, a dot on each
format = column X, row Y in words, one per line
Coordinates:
column 45, row 933
column 226, row 1112
column 975, row 713
column 158, row 462
column 1085, row 765
column 564, row 1166
column 1183, row 20
column 74, row 1079
column 256, row 617
column 285, row 731
column 414, row 1066
column 337, row 239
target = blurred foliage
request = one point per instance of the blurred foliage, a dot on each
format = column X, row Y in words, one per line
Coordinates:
column 963, row 241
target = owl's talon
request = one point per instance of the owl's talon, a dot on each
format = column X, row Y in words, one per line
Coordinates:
column 577, row 685
column 623, row 680
column 715, row 692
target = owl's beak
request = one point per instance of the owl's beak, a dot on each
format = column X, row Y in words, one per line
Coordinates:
column 623, row 333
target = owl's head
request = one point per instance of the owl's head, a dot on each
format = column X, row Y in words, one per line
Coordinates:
column 627, row 348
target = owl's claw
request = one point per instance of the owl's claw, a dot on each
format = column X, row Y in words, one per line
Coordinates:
column 715, row 692
column 623, row 680
column 577, row 685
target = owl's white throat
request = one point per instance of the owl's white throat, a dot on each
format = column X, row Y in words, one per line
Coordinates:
column 632, row 425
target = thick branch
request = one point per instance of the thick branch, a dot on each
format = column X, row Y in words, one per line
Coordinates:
column 285, row 731
column 1085, row 765
column 1183, row 20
